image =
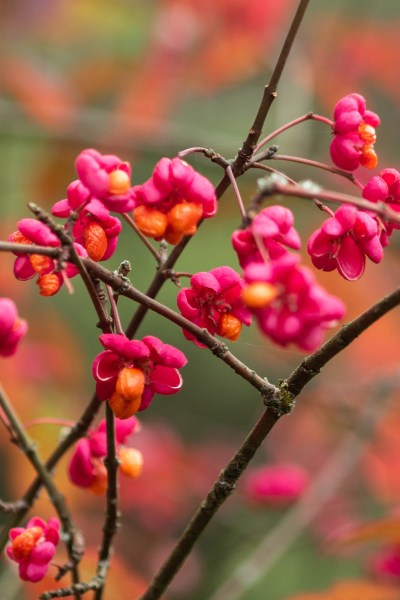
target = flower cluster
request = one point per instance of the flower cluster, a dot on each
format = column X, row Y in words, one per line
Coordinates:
column 267, row 235
column 214, row 302
column 12, row 328
column 107, row 179
column 354, row 134
column 33, row 547
column 86, row 468
column 94, row 228
column 344, row 240
column 171, row 203
column 129, row 372
column 289, row 305
column 50, row 275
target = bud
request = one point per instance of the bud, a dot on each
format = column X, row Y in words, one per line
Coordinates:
column 119, row 182
column 49, row 284
column 150, row 221
column 229, row 327
column 259, row 294
column 95, row 240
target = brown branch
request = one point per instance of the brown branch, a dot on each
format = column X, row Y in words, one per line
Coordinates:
column 289, row 389
column 73, row 541
column 270, row 92
column 330, row 478
column 328, row 196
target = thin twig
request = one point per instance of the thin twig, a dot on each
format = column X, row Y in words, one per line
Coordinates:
column 257, row 165
column 313, row 163
column 307, row 117
column 270, row 92
column 111, row 522
column 12, row 507
column 236, row 191
column 300, row 191
column 30, row 249
column 142, row 237
column 28, row 448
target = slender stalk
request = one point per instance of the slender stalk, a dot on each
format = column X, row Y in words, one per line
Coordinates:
column 236, row 191
column 313, row 163
column 114, row 311
column 257, row 165
column 307, row 117
column 142, row 237
column 328, row 196
column 270, row 92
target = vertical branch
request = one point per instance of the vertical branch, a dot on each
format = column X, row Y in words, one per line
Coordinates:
column 28, row 448
column 270, row 91
column 220, row 491
column 79, row 429
column 112, row 513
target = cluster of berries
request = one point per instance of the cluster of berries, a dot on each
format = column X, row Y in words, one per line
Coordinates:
column 350, row 235
column 167, row 206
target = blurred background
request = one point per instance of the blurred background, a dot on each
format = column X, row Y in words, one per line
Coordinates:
column 144, row 80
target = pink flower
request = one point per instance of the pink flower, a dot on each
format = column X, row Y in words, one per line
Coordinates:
column 171, row 203
column 86, row 468
column 344, row 241
column 130, row 372
column 94, row 229
column 276, row 485
column 48, row 271
column 107, row 179
column 214, row 303
column 33, row 547
column 354, row 134
column 273, row 229
column 12, row 328
column 299, row 310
